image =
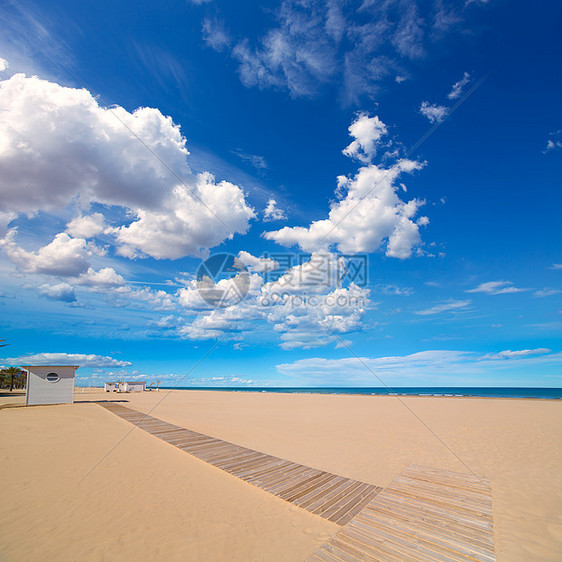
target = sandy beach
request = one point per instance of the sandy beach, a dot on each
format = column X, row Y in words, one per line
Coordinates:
column 79, row 484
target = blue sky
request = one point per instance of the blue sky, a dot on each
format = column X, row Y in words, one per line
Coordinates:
column 422, row 140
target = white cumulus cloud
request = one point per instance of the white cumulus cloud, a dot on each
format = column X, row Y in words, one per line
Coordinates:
column 187, row 224
column 254, row 263
column 58, row 145
column 272, row 212
column 370, row 215
column 58, row 292
column 103, row 279
column 367, row 132
column 304, row 310
column 64, row 256
column 86, row 226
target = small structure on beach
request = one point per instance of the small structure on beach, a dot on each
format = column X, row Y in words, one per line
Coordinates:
column 47, row 384
column 129, row 386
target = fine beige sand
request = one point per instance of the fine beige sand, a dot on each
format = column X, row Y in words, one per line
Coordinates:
column 78, row 484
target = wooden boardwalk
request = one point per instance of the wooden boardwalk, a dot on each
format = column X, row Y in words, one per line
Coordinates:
column 424, row 514
column 333, row 497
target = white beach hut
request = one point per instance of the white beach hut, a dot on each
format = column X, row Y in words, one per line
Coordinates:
column 50, row 384
column 131, row 386
column 134, row 386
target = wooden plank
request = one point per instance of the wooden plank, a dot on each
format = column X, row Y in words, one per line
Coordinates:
column 243, row 464
column 376, row 548
column 237, row 462
column 422, row 515
column 358, row 506
column 254, row 476
column 325, row 509
column 342, row 500
column 407, row 545
column 435, row 516
column 429, row 540
column 330, row 492
column 366, row 491
column 423, row 521
column 311, row 488
column 320, row 490
column 294, row 492
column 297, row 477
column 211, row 449
column 237, row 453
column 443, row 490
column 273, row 479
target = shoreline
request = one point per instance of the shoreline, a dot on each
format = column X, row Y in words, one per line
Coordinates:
column 294, row 390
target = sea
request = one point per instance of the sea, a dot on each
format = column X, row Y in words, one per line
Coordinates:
column 481, row 392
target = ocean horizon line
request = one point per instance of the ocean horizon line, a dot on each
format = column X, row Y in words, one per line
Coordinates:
column 549, row 393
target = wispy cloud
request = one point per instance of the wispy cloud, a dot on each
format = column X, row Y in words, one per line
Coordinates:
column 435, row 113
column 546, row 292
column 357, row 45
column 432, row 367
column 458, row 87
column 162, row 65
column 508, row 354
column 254, row 160
column 496, row 288
column 32, row 38
column 449, row 306
column 394, row 290
column 554, row 141
column 215, row 34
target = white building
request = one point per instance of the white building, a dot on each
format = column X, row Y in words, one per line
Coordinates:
column 131, row 386
column 136, row 386
column 50, row 384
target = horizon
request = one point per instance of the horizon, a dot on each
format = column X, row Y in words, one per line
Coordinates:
column 283, row 194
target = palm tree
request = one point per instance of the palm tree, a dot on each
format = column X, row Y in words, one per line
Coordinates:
column 12, row 372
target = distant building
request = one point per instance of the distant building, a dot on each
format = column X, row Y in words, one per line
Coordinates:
column 50, row 384
column 136, row 386
column 130, row 386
